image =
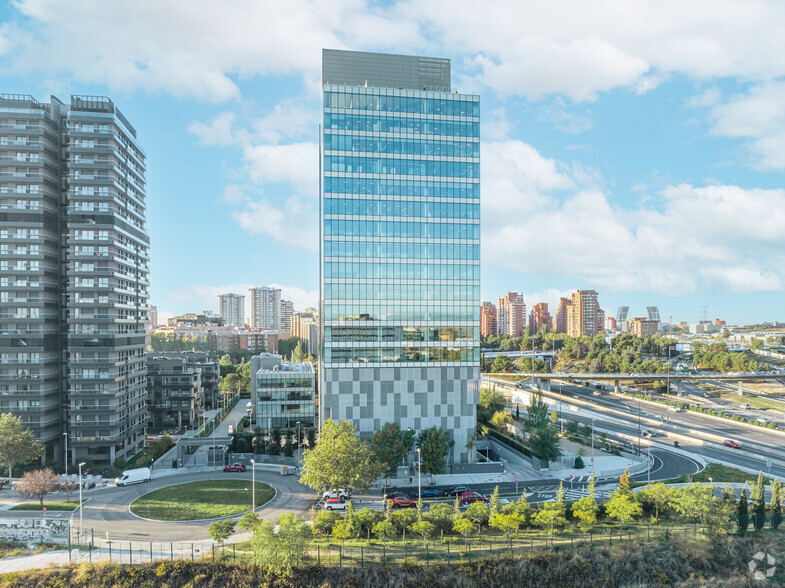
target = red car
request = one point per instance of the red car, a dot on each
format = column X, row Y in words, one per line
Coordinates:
column 235, row 467
column 471, row 497
column 731, row 443
column 403, row 501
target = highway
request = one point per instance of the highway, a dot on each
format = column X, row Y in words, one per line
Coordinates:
column 698, row 434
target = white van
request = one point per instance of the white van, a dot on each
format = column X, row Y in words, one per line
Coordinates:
column 673, row 408
column 133, row 477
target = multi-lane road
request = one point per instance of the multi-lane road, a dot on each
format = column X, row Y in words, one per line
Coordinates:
column 697, row 434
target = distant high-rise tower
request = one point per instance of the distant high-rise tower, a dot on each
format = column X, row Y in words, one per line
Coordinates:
column 653, row 313
column 74, row 254
column 232, row 309
column 400, row 263
column 584, row 313
column 622, row 314
column 511, row 315
column 265, row 308
column 488, row 324
column 287, row 311
column 560, row 320
column 540, row 317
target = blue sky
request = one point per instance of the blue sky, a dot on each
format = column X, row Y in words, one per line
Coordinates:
column 634, row 148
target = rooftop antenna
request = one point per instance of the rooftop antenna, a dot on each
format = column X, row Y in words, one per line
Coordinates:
column 705, row 308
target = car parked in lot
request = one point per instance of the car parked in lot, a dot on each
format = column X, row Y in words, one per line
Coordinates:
column 456, row 490
column 471, row 497
column 402, row 501
column 732, row 443
column 334, row 504
column 235, row 467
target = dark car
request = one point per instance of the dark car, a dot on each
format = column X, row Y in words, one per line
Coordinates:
column 456, row 490
column 472, row 497
column 430, row 493
column 395, row 492
column 732, row 443
column 235, row 467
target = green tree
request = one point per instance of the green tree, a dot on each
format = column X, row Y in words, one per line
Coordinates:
column 465, row 526
column 390, row 446
column 249, row 521
column 339, row 460
column 282, row 549
column 585, row 509
column 742, row 513
column 554, row 418
column 17, row 443
column 776, row 504
column 501, row 419
column 579, row 465
column 385, row 530
column 298, row 354
column 494, row 504
column 622, row 504
column 523, row 508
column 543, row 439
column 403, row 519
column 551, row 514
column 502, row 364
column 220, row 531
column 441, row 515
column 478, row 513
column 434, row 448
column 506, row 522
column 698, row 501
column 658, row 495
column 423, row 528
column 757, row 490
column 324, row 522
column 491, row 402
column 239, row 380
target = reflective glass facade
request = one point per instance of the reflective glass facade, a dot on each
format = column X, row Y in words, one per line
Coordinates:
column 400, row 253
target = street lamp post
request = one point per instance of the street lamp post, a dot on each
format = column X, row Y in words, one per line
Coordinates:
column 592, row 446
column 65, row 435
column 249, row 410
column 639, row 426
column 419, row 474
column 648, row 470
column 253, row 486
column 298, row 446
column 80, row 497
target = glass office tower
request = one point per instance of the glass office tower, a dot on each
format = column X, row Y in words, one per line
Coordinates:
column 400, row 246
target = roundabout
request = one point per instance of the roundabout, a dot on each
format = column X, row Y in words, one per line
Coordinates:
column 201, row 500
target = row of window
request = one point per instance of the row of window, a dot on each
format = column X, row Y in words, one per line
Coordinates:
column 292, row 382
column 19, row 234
column 365, row 100
column 380, row 334
column 19, row 265
column 401, row 271
column 401, row 167
column 410, row 230
column 401, row 312
column 401, row 292
column 401, row 208
column 398, row 250
column 424, row 147
column 402, row 354
column 20, row 250
column 389, row 124
column 407, row 187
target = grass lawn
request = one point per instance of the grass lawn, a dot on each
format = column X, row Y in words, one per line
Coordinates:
column 208, row 499
column 719, row 475
column 754, row 402
column 50, row 506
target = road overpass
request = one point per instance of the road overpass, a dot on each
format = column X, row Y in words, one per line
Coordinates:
column 678, row 377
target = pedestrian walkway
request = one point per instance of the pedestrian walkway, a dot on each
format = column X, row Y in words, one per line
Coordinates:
column 232, row 419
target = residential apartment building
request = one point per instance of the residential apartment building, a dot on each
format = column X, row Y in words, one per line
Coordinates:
column 210, row 372
column 400, row 264
column 282, row 393
column 511, row 315
column 488, row 314
column 74, row 255
column 644, row 326
column 265, row 308
column 174, row 390
column 231, row 308
column 585, row 316
column 539, row 318
column 287, row 311
column 560, row 320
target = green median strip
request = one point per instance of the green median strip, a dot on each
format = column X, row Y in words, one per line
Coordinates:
column 50, row 506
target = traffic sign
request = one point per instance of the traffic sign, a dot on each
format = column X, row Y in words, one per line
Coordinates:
column 570, row 476
column 592, row 460
column 516, row 479
column 44, row 509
